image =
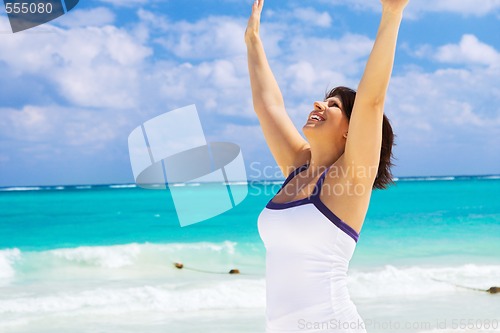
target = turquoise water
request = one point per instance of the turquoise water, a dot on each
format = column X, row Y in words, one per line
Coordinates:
column 413, row 219
column 93, row 258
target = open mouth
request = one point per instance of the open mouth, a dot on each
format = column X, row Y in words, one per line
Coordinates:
column 316, row 117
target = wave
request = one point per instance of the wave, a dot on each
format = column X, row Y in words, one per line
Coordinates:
column 141, row 277
column 123, row 186
column 420, row 281
column 488, row 177
column 238, row 183
column 99, row 256
column 131, row 254
column 147, row 260
column 179, row 297
column 25, row 188
column 413, row 179
column 192, row 291
column 129, row 257
column 68, row 278
column 438, row 178
column 7, row 259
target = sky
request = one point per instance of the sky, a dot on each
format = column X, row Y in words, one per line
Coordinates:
column 73, row 89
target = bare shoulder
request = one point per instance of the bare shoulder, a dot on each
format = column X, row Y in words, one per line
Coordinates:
column 346, row 194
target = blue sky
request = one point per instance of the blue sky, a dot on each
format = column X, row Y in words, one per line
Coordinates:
column 73, row 89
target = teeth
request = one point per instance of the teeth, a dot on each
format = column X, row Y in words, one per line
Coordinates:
column 316, row 117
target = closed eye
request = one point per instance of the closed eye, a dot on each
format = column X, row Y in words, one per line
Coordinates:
column 333, row 103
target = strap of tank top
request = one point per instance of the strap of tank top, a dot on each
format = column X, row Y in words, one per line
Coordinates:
column 294, row 173
column 319, row 183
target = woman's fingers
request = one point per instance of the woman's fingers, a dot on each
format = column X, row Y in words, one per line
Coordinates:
column 395, row 5
column 260, row 4
column 254, row 20
column 257, row 7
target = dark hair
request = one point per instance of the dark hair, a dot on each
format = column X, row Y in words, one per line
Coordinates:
column 384, row 175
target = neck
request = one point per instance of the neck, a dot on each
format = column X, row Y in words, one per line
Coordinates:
column 323, row 156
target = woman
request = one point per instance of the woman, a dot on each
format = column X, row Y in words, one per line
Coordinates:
column 311, row 227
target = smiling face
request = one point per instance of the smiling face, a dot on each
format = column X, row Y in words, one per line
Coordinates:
column 327, row 122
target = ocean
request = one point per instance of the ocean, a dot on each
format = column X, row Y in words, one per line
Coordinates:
column 100, row 258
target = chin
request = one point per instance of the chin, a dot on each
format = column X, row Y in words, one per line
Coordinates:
column 310, row 126
column 307, row 128
column 310, row 131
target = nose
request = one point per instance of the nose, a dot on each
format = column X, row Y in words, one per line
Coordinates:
column 319, row 106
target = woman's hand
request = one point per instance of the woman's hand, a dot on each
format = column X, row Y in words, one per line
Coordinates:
column 253, row 26
column 394, row 5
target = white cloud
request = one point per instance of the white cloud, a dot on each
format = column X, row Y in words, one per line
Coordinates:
column 355, row 4
column 126, row 3
column 111, row 71
column 155, row 21
column 312, row 64
column 345, row 54
column 446, row 121
column 31, row 121
column 465, row 7
column 87, row 17
column 111, row 82
column 416, row 8
column 457, row 105
column 305, row 80
column 311, row 17
column 469, row 51
column 102, row 71
column 56, row 127
column 211, row 37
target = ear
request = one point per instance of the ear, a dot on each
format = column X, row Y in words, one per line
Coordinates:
column 345, row 135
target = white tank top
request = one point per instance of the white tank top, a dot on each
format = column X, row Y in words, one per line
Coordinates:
column 308, row 249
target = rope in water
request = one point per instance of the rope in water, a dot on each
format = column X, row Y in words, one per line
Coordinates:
column 179, row 265
column 492, row 290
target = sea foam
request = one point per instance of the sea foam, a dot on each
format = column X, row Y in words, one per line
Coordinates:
column 7, row 259
column 422, row 281
column 145, row 261
column 229, row 294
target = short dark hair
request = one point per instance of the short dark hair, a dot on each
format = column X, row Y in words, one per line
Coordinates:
column 384, row 175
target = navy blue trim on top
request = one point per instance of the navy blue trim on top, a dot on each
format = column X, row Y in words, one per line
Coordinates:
column 294, row 173
column 314, row 199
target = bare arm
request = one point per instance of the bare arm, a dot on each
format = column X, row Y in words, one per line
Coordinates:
column 365, row 128
column 288, row 147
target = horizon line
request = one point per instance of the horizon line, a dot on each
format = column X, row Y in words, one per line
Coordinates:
column 395, row 179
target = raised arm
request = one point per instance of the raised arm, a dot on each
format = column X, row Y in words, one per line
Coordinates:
column 288, row 147
column 365, row 127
